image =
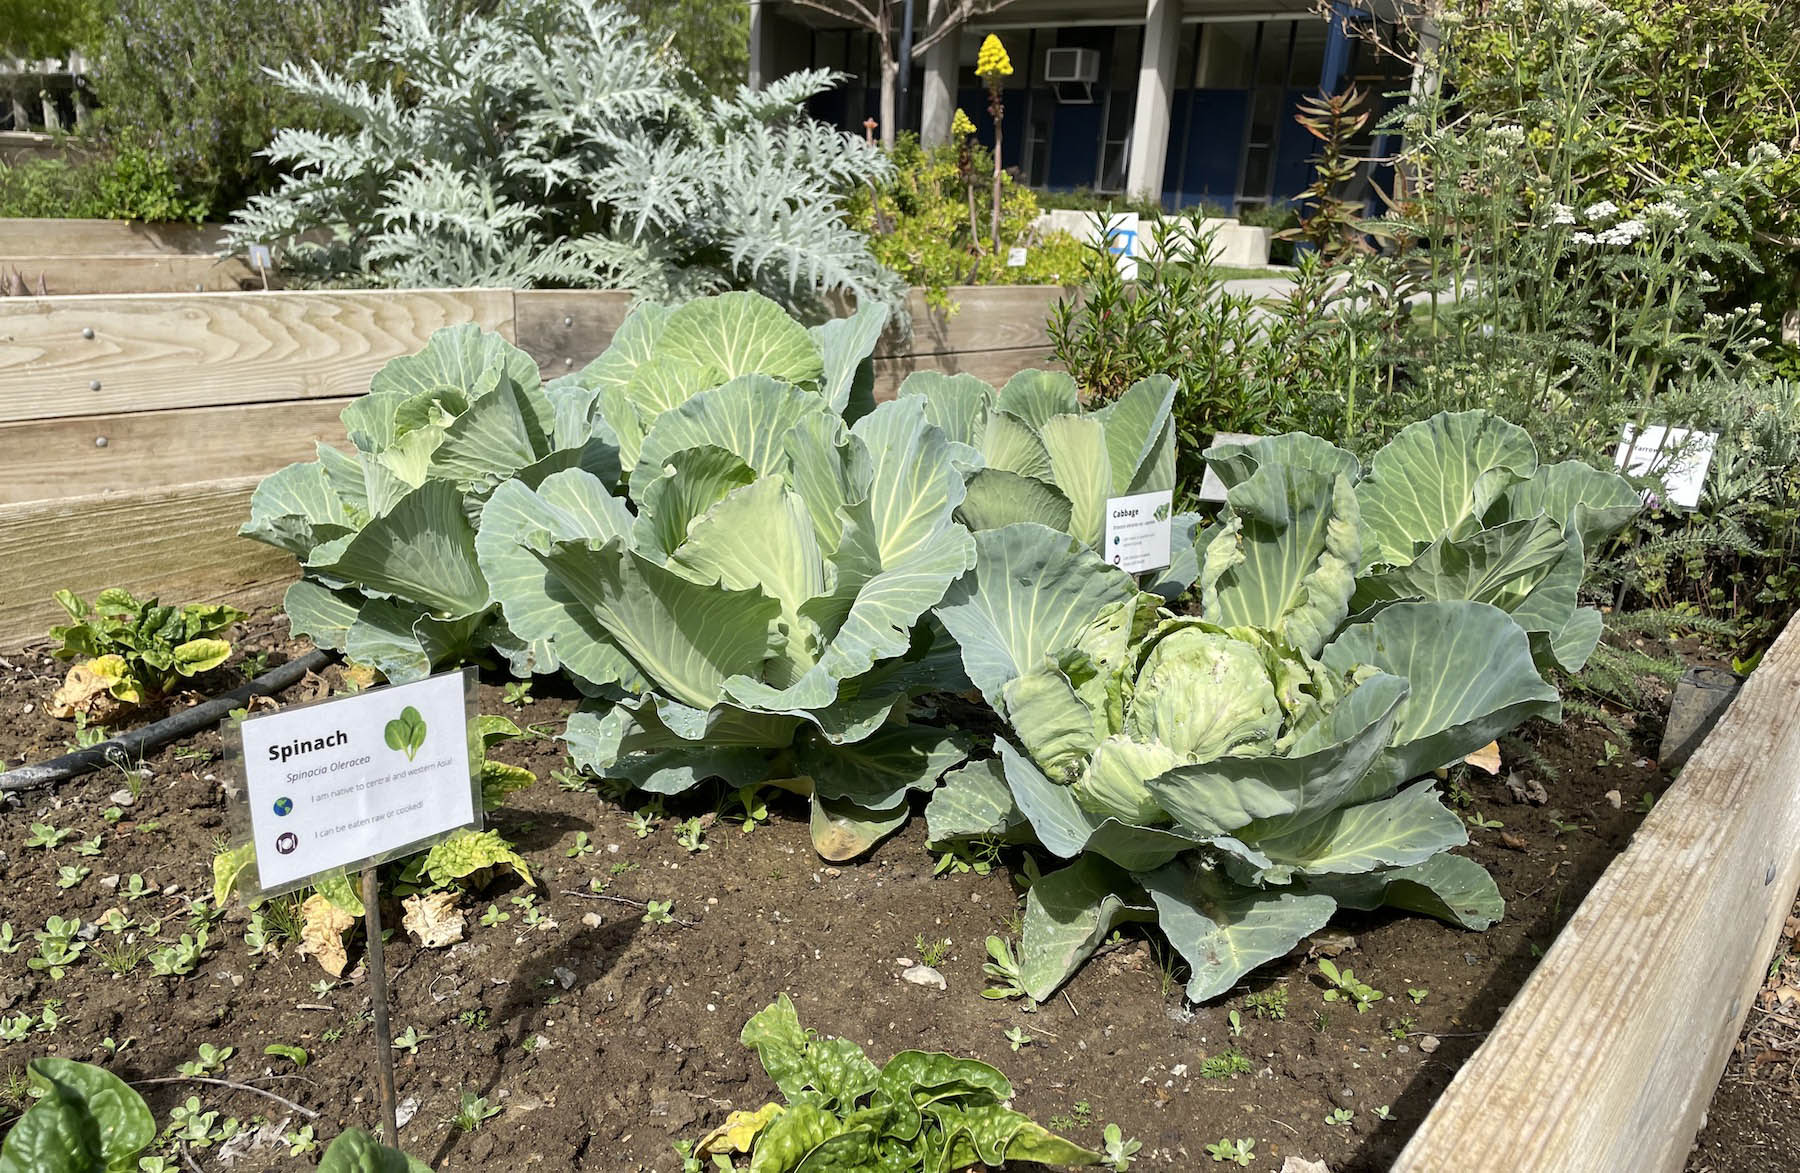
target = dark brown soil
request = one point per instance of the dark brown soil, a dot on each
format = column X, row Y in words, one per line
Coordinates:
column 1752, row 1125
column 604, row 1039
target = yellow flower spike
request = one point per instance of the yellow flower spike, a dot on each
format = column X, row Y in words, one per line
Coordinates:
column 992, row 61
column 960, row 124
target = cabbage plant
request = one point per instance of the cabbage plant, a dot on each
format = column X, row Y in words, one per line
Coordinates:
column 1453, row 507
column 1032, row 454
column 386, row 533
column 1239, row 774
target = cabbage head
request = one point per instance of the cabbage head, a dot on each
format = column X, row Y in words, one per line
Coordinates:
column 1239, row 774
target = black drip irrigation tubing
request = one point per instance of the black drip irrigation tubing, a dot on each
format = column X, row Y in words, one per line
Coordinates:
column 130, row 747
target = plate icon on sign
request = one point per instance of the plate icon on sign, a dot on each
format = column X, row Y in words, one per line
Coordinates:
column 284, row 806
column 287, row 842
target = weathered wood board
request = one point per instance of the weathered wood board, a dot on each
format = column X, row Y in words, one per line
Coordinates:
column 49, row 459
column 130, row 274
column 564, row 330
column 66, row 356
column 106, row 238
column 1608, row 1057
column 176, row 541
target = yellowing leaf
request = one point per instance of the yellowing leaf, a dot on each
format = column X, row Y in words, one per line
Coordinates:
column 467, row 852
column 738, row 1133
column 228, row 868
column 499, row 779
column 1486, row 758
column 100, row 689
column 434, row 919
column 322, row 929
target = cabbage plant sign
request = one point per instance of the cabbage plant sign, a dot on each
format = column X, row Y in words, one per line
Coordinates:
column 358, row 779
column 1137, row 534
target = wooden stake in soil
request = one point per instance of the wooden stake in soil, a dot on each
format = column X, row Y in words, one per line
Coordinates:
column 378, row 997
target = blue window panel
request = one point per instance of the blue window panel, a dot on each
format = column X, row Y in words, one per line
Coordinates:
column 1294, row 149
column 1212, row 124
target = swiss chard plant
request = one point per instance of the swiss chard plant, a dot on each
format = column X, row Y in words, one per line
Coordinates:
column 1239, row 774
column 921, row 1112
column 85, row 1120
column 132, row 651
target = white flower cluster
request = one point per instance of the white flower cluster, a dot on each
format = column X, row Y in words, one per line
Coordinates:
column 1604, row 210
column 1562, row 214
column 1666, row 214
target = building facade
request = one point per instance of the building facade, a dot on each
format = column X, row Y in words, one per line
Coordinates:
column 1182, row 101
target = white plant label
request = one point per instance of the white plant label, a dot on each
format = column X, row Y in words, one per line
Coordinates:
column 1137, row 530
column 1015, row 257
column 346, row 781
column 1679, row 456
column 1211, row 487
column 261, row 257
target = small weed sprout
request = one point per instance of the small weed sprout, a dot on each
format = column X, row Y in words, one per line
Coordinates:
column 68, row 875
column 1345, row 987
column 583, row 846
column 1237, row 1024
column 409, row 1041
column 1002, row 969
column 45, row 836
column 1339, row 1116
column 1239, row 1152
column 1018, row 1038
column 517, row 693
column 659, row 912
column 474, row 1112
column 1225, row 1064
column 1119, row 1151
column 692, row 836
column 1486, row 824
column 1271, row 1003
column 931, row 953
column 300, row 1142
column 1081, row 1114
column 1383, row 1113
column 1417, row 994
column 211, row 1059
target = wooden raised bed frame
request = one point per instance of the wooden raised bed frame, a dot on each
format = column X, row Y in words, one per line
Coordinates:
column 1605, row 1060
column 134, row 428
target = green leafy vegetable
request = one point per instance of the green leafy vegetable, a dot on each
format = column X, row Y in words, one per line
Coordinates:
column 133, row 651
column 85, row 1120
column 1239, row 774
column 923, row 1111
column 355, row 1151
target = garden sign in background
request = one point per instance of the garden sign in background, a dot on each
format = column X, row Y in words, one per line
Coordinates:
column 358, row 778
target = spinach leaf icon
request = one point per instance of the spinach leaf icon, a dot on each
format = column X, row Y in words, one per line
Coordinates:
column 406, row 732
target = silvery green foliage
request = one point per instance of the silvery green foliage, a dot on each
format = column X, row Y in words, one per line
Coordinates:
column 711, row 529
column 549, row 142
column 1240, row 774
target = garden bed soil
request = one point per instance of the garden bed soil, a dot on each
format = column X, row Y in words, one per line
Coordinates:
column 603, row 1038
column 1753, row 1122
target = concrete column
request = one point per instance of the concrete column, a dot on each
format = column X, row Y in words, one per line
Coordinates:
column 1155, row 93
column 762, row 47
column 938, row 98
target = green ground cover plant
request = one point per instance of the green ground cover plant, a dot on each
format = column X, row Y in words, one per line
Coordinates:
column 921, row 1111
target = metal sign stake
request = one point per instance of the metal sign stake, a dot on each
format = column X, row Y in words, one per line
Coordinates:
column 378, row 997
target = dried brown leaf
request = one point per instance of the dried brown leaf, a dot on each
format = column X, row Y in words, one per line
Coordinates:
column 433, row 919
column 323, row 925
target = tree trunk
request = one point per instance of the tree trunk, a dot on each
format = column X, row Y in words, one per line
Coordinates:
column 890, row 81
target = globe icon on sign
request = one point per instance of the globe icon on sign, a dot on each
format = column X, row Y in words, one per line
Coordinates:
column 284, row 806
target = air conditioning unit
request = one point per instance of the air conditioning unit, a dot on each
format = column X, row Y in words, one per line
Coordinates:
column 1071, row 66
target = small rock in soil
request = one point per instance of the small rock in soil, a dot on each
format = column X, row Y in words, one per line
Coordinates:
column 924, row 975
column 1428, row 1044
column 593, row 920
column 405, row 1111
column 122, row 798
column 565, row 976
column 109, row 882
column 1301, row 1165
column 1615, row 800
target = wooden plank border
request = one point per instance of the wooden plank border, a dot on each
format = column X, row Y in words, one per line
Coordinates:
column 100, row 355
column 175, row 541
column 1607, row 1058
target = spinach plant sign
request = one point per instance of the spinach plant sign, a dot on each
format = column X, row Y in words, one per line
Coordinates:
column 406, row 733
